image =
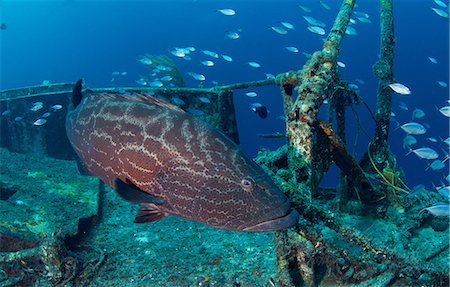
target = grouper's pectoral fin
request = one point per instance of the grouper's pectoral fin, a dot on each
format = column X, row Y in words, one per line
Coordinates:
column 131, row 193
column 149, row 212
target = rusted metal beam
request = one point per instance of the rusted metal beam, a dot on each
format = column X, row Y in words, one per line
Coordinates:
column 316, row 82
column 384, row 70
column 347, row 164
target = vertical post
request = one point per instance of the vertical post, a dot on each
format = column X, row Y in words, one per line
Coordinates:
column 227, row 115
column 287, row 83
column 339, row 104
column 307, row 159
column 384, row 70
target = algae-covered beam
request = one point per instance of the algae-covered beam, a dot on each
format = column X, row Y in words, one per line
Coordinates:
column 287, row 82
column 347, row 164
column 319, row 74
column 246, row 85
column 317, row 81
column 384, row 70
column 61, row 88
column 169, row 92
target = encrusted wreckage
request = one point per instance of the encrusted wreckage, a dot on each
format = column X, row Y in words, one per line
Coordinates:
column 364, row 232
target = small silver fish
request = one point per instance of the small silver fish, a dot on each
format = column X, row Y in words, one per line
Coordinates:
column 313, row 22
column 408, row 141
column 364, row 20
column 207, row 63
column 156, row 84
column 361, row 14
column 317, row 30
column 145, row 60
column 325, row 5
column 227, row 12
column 40, row 122
column 36, row 108
column 417, row 114
column 292, row 49
column 442, row 84
column 211, row 54
column 341, row 64
column 440, row 3
column 438, row 209
column 425, row 153
column 351, row 31
column 440, row 12
column 254, row 64
column 288, row 25
column 432, row 60
column 413, row 128
column 141, row 81
column 227, row 58
column 400, row 88
column 198, row 77
column 233, row 35
column 195, row 112
column 279, row 30
column 251, row 94
column 204, row 100
column 447, row 141
column 178, row 101
column 403, row 106
column 436, row 165
column 177, row 52
column 164, row 68
column 304, row 8
column 166, row 78
column 445, row 111
column 444, row 191
column 418, row 189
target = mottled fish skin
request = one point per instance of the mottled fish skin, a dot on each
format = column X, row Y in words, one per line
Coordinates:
column 165, row 152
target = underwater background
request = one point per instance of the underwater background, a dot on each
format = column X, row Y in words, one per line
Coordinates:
column 62, row 41
column 102, row 42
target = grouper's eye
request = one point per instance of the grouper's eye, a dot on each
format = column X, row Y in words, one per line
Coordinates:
column 248, row 184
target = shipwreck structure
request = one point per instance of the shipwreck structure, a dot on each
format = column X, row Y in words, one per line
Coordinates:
column 364, row 232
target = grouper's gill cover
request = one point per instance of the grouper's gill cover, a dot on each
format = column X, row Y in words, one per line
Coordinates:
column 155, row 154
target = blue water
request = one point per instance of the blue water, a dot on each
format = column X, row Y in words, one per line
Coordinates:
column 63, row 41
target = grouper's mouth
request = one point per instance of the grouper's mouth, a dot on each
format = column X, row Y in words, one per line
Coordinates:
column 289, row 219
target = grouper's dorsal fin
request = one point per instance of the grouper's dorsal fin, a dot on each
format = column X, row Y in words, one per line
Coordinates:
column 76, row 93
column 142, row 98
column 152, row 100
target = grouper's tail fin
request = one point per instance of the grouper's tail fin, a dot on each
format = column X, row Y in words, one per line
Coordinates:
column 76, row 93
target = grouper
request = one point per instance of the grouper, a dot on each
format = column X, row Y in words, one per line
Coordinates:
column 156, row 155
